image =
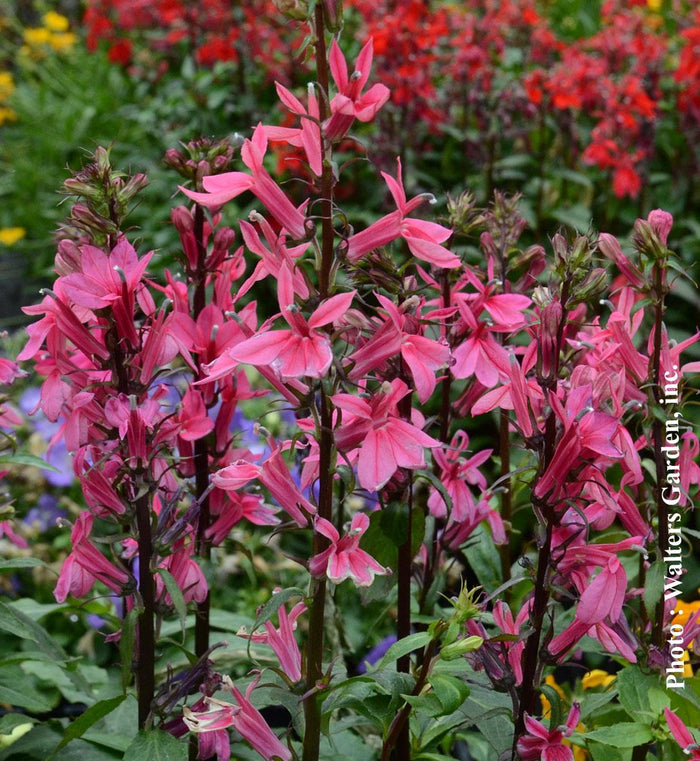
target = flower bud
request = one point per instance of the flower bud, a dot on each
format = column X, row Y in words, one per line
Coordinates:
column 333, row 14
column 293, row 9
column 461, row 647
column 661, row 223
column 647, row 239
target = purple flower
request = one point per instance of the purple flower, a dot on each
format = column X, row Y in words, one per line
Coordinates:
column 45, row 514
column 376, row 653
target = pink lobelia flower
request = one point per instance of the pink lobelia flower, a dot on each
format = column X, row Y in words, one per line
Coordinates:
column 86, row 564
column 542, row 744
column 400, row 334
column 302, row 351
column 344, row 559
column 186, row 572
column 598, row 611
column 349, row 104
column 479, row 353
column 587, row 433
column 272, row 259
column 282, row 640
column 275, row 476
column 223, row 187
column 386, row 441
column 308, row 136
column 681, row 734
column 423, row 238
column 455, row 473
column 243, row 717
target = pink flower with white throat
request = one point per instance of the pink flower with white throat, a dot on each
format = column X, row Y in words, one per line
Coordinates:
column 344, row 559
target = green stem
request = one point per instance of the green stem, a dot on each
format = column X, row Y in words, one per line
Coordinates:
column 400, row 722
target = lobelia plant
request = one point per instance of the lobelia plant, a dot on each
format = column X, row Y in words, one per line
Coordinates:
column 383, row 355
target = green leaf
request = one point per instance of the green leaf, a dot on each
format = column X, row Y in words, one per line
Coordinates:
column 36, row 744
column 17, row 623
column 484, row 559
column 654, row 584
column 11, row 720
column 21, row 563
column 126, row 645
column 93, row 714
column 634, row 689
column 176, row 596
column 156, row 745
column 21, row 690
column 606, row 753
column 625, row 734
column 450, row 690
column 22, row 458
column 404, row 647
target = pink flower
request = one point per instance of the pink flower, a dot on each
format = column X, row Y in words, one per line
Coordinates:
column 308, row 136
column 193, row 421
column 456, row 472
column 344, row 559
column 661, row 223
column 103, row 278
column 223, row 187
column 349, row 104
column 275, row 476
column 186, row 572
column 400, row 334
column 423, row 238
column 301, row 351
column 542, row 744
column 272, row 259
column 282, row 640
column 681, row 734
column 587, row 433
column 598, row 611
column 386, row 441
column 243, row 717
column 86, row 564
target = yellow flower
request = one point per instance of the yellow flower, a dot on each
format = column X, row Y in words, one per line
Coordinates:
column 7, row 85
column 10, row 235
column 689, row 609
column 63, row 41
column 7, row 115
column 580, row 754
column 55, row 22
column 654, row 5
column 37, row 36
column 596, row 678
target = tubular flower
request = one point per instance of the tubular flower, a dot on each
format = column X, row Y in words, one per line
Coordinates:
column 223, row 187
column 344, row 559
column 423, row 238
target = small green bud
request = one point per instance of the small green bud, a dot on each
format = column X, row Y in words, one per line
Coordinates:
column 460, row 647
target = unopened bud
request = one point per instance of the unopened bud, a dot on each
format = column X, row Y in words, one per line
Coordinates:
column 293, row 9
column 488, row 245
column 461, row 647
column 333, row 15
column 649, row 236
column 661, row 223
column 67, row 258
column 181, row 218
